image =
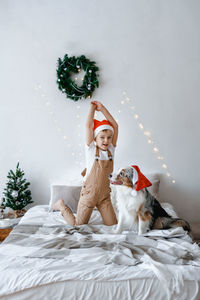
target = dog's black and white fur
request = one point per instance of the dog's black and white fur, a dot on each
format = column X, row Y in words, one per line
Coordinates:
column 140, row 210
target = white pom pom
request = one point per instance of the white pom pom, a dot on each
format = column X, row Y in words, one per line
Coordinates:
column 134, row 193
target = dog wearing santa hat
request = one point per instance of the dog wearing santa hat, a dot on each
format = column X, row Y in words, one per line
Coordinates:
column 137, row 209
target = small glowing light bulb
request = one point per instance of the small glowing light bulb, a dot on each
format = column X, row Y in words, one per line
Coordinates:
column 127, row 99
column 141, row 126
column 149, row 141
column 64, row 137
column 168, row 174
column 173, row 181
column 122, row 102
column 136, row 116
column 119, row 111
column 155, row 149
column 160, row 157
column 164, row 166
column 147, row 133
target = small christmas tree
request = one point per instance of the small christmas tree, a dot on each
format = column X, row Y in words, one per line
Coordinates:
column 16, row 194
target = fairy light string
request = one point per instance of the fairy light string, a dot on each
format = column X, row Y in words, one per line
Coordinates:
column 147, row 134
column 77, row 154
column 49, row 107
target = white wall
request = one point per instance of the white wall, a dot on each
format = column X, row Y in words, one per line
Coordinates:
column 150, row 49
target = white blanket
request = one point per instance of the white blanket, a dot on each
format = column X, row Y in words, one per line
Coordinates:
column 43, row 249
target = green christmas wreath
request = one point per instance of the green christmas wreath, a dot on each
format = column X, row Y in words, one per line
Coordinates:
column 70, row 65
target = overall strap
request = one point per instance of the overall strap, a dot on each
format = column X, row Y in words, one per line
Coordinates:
column 109, row 155
column 97, row 153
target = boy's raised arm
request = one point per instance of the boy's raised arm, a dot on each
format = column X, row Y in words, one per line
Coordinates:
column 109, row 117
column 89, row 124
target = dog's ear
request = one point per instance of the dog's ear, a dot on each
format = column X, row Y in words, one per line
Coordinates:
column 134, row 179
column 134, row 176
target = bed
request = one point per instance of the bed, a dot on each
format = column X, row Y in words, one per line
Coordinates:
column 44, row 258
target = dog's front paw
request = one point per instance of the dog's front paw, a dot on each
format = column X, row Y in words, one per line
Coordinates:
column 141, row 232
column 117, row 231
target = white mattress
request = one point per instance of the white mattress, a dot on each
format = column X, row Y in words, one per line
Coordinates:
column 109, row 281
column 137, row 289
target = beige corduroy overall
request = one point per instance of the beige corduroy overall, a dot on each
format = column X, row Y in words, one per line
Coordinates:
column 95, row 192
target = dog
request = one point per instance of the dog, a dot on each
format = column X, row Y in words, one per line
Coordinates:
column 137, row 209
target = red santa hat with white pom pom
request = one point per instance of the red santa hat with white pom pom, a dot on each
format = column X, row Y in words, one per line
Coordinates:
column 139, row 179
column 101, row 125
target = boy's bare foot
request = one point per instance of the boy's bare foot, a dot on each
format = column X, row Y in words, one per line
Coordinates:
column 59, row 205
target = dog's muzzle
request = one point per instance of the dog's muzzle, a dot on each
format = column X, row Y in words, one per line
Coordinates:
column 114, row 181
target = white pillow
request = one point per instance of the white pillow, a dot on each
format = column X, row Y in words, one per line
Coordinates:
column 70, row 195
column 169, row 209
column 155, row 180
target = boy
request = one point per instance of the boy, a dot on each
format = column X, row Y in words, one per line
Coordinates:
column 101, row 139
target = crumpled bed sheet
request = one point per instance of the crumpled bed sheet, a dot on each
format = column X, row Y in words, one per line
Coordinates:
column 43, row 249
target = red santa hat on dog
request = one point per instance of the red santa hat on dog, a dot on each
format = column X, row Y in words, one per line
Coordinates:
column 139, row 179
column 101, row 125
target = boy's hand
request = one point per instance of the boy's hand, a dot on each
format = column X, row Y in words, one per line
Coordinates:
column 99, row 105
column 93, row 105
